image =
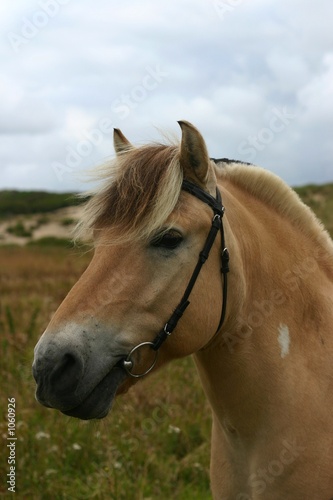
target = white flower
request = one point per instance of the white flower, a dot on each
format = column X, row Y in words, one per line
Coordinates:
column 76, row 446
column 173, row 430
column 42, row 435
column 48, row 472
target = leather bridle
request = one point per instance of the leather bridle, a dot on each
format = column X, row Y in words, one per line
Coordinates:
column 217, row 226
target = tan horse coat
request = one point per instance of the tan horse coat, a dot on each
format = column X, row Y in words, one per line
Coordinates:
column 268, row 373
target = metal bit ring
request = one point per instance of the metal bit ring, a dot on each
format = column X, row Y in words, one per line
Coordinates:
column 128, row 363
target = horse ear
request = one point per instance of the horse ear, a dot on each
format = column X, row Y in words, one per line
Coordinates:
column 120, row 143
column 194, row 158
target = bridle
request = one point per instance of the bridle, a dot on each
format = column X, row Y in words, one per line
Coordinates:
column 217, row 225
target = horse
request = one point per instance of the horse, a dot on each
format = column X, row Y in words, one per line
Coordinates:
column 220, row 260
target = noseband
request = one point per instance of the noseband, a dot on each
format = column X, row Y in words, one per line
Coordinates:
column 217, row 225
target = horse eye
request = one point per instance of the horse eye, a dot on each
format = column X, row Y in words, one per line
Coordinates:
column 169, row 240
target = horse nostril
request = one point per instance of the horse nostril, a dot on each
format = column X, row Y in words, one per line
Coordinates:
column 58, row 373
column 67, row 372
column 68, row 361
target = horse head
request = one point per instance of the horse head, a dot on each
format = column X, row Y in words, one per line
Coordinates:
column 148, row 233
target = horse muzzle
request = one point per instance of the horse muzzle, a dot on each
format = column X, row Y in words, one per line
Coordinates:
column 74, row 379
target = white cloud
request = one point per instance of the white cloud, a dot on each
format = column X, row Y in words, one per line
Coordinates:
column 225, row 72
column 317, row 95
column 288, row 71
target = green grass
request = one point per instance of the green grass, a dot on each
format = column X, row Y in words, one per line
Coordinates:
column 155, row 442
column 19, row 230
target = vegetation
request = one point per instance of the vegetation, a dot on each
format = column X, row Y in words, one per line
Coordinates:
column 155, row 442
column 68, row 221
column 31, row 202
column 20, row 230
column 51, row 241
column 320, row 199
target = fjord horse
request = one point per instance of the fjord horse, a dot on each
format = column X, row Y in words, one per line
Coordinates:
column 262, row 342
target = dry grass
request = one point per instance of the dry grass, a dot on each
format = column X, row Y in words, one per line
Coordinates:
column 155, row 443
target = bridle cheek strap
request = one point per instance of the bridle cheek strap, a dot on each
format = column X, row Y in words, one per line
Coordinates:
column 203, row 256
column 217, row 225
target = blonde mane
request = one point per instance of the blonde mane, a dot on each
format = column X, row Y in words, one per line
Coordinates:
column 140, row 188
column 273, row 191
column 137, row 192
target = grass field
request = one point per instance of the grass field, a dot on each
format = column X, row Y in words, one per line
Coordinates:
column 153, row 445
column 155, row 442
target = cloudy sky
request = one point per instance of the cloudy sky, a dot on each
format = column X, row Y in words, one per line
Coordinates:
column 256, row 78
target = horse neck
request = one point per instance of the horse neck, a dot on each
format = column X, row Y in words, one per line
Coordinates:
column 272, row 313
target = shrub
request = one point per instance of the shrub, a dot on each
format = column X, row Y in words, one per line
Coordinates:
column 19, row 230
